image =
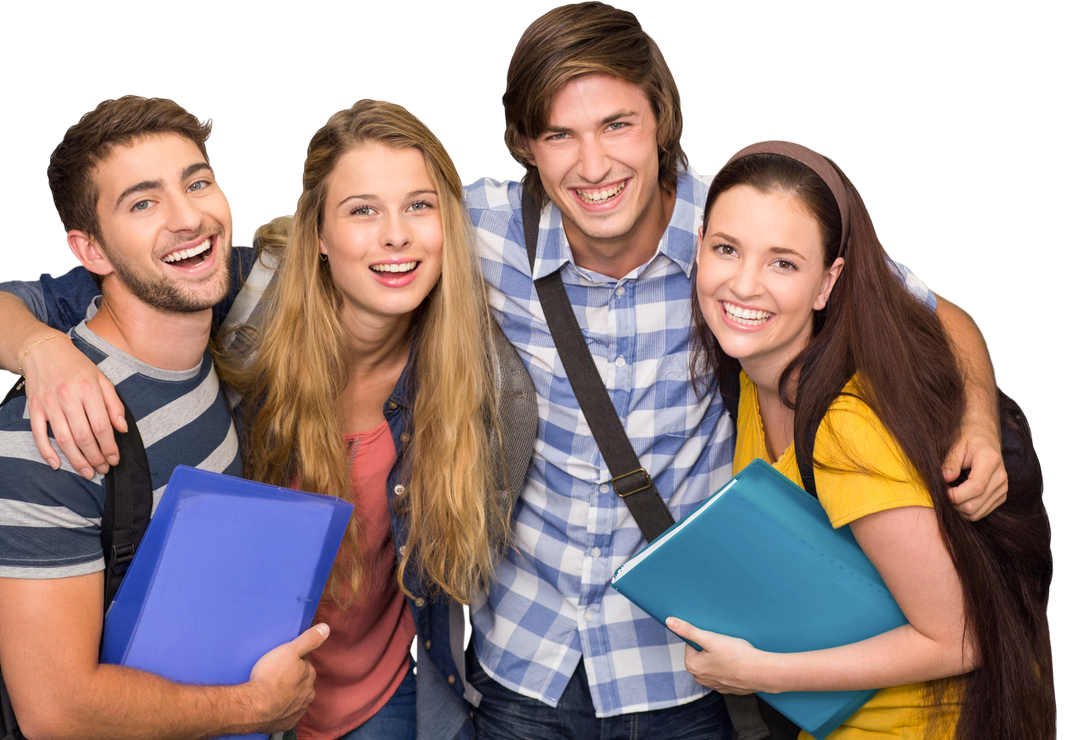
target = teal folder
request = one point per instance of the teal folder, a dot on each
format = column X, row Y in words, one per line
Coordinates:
column 760, row 560
column 227, row 570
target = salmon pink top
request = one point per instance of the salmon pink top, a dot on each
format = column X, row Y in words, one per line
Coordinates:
column 366, row 657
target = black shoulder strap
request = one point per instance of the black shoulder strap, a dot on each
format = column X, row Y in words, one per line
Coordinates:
column 129, row 500
column 629, row 479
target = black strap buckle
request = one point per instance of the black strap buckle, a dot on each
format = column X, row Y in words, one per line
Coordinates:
column 639, row 482
column 123, row 554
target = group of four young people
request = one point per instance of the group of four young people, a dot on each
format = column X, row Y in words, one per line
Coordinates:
column 369, row 367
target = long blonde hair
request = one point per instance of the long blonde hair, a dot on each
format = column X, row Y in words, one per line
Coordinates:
column 298, row 375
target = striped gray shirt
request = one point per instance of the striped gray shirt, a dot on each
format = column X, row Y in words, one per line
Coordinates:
column 50, row 521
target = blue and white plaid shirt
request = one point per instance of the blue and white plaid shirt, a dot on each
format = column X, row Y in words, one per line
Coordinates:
column 553, row 603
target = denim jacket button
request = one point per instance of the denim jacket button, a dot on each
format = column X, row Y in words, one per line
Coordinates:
column 404, row 438
column 399, row 489
column 451, row 680
column 428, row 644
column 392, row 404
column 419, row 601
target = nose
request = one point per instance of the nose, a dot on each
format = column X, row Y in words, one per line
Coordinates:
column 183, row 215
column 746, row 282
column 593, row 161
column 395, row 231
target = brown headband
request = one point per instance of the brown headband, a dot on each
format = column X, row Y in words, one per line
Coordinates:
column 821, row 167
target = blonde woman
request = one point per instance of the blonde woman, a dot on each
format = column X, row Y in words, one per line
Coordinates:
column 372, row 371
column 373, row 378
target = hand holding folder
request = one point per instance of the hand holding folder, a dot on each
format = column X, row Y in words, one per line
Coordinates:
column 227, row 571
column 759, row 560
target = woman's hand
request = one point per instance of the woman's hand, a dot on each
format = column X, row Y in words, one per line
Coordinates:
column 724, row 664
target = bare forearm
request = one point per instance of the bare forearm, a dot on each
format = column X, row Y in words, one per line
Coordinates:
column 895, row 658
column 21, row 331
column 974, row 359
column 119, row 703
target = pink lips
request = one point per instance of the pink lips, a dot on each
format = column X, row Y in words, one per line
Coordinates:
column 396, row 279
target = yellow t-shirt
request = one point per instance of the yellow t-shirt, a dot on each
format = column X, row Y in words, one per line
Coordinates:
column 850, row 438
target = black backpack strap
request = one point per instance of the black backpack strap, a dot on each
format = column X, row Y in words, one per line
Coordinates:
column 629, row 479
column 129, row 500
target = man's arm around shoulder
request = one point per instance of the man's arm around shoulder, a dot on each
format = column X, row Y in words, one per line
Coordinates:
column 49, row 635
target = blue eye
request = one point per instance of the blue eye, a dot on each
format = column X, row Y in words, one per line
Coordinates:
column 198, row 185
column 419, row 205
column 618, row 125
column 142, row 205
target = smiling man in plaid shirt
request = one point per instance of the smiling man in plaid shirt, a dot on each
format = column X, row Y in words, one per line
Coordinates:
column 593, row 113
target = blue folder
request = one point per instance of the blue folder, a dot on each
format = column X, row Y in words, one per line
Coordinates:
column 227, row 570
column 760, row 560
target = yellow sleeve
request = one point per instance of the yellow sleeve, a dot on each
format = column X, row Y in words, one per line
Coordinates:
column 870, row 472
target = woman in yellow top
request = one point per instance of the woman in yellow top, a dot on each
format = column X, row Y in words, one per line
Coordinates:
column 793, row 286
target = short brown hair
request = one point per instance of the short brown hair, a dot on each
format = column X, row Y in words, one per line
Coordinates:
column 90, row 141
column 576, row 40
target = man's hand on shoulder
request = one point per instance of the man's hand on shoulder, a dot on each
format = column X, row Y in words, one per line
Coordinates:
column 978, row 453
column 66, row 391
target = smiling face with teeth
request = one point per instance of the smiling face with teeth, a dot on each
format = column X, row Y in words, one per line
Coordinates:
column 381, row 233
column 760, row 277
column 165, row 226
column 598, row 161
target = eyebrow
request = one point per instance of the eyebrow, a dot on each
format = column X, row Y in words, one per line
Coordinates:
column 372, row 196
column 145, row 185
column 735, row 242
column 617, row 115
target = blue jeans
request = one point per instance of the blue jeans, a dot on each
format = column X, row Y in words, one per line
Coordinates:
column 507, row 715
column 397, row 718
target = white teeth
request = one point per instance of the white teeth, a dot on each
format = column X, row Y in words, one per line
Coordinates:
column 186, row 253
column 746, row 316
column 398, row 267
column 599, row 196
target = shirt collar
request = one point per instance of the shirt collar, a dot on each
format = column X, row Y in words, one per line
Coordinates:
column 678, row 242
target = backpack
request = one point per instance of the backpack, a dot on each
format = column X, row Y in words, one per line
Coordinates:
column 129, row 500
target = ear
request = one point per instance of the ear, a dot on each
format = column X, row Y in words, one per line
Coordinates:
column 697, row 249
column 89, row 252
column 322, row 247
column 831, row 276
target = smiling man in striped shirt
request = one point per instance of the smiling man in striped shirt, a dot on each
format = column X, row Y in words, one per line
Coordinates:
column 145, row 215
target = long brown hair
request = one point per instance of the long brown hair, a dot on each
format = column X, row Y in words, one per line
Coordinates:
column 299, row 373
column 909, row 377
